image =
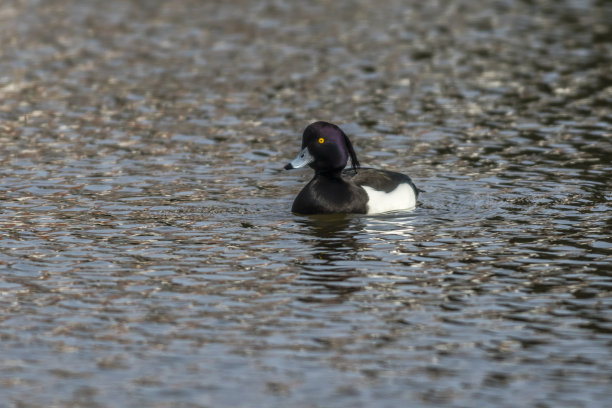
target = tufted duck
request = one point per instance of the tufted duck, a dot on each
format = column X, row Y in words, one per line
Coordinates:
column 333, row 189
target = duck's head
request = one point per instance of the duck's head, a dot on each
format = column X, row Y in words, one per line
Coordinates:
column 325, row 148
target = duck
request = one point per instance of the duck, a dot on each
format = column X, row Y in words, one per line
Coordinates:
column 335, row 189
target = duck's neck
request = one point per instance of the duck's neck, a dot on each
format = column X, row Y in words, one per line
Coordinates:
column 331, row 174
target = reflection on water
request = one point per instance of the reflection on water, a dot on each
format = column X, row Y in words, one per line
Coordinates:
column 149, row 257
column 334, row 253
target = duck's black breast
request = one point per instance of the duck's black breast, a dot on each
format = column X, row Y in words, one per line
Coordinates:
column 330, row 195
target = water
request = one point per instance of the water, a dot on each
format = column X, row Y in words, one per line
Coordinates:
column 149, row 256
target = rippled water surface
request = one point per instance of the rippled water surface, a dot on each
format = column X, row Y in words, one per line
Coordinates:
column 149, row 256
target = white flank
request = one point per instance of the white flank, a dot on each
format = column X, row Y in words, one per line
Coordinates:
column 402, row 198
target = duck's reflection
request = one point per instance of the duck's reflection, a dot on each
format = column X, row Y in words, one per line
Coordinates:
column 336, row 249
column 396, row 224
column 334, row 255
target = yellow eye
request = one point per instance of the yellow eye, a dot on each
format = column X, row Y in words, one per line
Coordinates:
column 321, row 140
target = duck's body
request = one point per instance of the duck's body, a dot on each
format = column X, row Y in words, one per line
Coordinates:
column 333, row 190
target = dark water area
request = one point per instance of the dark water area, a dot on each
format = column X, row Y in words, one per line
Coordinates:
column 149, row 257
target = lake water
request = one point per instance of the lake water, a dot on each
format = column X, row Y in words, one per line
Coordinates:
column 149, row 257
